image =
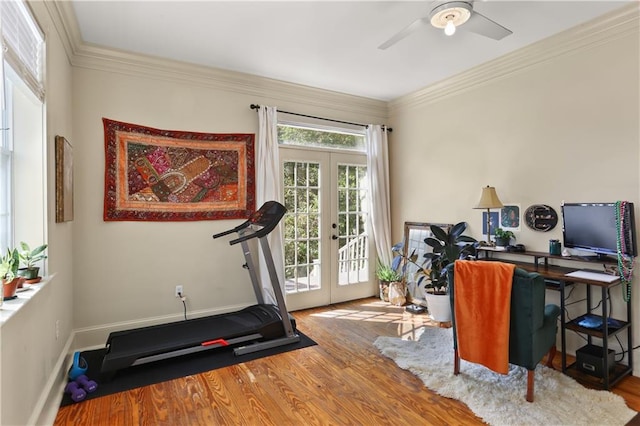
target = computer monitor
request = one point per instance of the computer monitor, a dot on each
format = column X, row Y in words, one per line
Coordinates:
column 593, row 227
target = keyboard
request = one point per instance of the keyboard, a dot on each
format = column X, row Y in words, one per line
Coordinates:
column 594, row 276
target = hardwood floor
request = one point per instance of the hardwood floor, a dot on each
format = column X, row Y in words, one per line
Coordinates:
column 343, row 380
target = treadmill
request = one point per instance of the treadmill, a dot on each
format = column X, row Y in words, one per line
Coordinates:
column 252, row 329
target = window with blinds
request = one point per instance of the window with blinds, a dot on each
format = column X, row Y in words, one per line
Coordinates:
column 23, row 44
column 22, row 143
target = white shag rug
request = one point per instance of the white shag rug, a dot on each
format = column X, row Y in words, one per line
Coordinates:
column 500, row 399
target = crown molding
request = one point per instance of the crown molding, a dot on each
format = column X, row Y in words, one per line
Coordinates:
column 116, row 61
column 615, row 25
column 604, row 29
column 65, row 23
column 85, row 55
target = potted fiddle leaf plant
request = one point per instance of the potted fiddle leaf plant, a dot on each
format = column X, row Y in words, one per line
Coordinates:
column 29, row 258
column 9, row 264
column 446, row 247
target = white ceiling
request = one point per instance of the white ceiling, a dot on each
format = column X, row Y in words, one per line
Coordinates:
column 326, row 44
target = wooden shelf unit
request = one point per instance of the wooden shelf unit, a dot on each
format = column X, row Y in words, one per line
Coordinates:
column 556, row 274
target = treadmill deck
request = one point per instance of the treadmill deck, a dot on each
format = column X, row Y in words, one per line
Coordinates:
column 124, row 348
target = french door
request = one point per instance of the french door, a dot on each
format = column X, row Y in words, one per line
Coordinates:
column 328, row 246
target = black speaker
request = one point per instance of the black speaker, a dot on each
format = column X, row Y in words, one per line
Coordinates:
column 590, row 360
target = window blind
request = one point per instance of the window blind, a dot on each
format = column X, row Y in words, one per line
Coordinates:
column 23, row 44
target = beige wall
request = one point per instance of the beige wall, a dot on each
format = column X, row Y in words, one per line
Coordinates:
column 566, row 129
column 31, row 355
column 126, row 272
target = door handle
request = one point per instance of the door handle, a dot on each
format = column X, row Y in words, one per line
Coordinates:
column 334, row 237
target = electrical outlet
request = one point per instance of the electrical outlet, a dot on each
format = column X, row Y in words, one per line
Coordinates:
column 179, row 290
column 57, row 329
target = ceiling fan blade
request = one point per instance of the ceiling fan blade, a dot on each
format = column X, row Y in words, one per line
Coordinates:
column 482, row 25
column 405, row 32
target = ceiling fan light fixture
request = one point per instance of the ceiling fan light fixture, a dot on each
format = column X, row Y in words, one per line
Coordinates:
column 450, row 28
column 450, row 15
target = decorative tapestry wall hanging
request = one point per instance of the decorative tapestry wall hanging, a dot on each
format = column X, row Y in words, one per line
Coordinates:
column 167, row 175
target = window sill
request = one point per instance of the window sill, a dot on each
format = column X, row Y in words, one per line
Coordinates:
column 9, row 307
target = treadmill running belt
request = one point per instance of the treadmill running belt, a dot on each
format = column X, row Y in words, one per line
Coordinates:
column 125, row 347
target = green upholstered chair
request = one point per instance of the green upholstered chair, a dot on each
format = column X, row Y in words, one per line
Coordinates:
column 533, row 326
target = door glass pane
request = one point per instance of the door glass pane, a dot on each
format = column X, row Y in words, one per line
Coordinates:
column 353, row 249
column 302, row 226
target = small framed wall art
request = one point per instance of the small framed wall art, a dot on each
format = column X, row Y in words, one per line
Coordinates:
column 494, row 222
column 64, row 180
column 510, row 217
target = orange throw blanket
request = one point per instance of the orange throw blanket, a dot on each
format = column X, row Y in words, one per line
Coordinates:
column 482, row 303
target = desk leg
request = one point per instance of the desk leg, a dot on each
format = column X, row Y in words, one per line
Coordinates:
column 630, row 338
column 605, row 338
column 563, row 338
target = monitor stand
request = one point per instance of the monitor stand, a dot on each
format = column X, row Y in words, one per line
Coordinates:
column 595, row 257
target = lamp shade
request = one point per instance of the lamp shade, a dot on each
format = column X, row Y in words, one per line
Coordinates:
column 489, row 199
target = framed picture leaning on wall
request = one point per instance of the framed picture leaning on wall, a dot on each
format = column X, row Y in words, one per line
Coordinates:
column 64, row 179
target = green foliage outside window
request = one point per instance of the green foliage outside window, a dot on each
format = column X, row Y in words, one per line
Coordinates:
column 290, row 135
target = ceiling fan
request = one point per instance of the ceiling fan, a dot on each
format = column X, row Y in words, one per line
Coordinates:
column 449, row 15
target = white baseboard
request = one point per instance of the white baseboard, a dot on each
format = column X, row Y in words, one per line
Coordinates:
column 46, row 408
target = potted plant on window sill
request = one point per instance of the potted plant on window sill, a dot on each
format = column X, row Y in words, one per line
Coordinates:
column 447, row 247
column 29, row 258
column 9, row 273
column 503, row 238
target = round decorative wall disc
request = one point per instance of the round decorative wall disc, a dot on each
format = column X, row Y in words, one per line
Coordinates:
column 541, row 217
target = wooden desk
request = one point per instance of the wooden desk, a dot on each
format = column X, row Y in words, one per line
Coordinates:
column 556, row 279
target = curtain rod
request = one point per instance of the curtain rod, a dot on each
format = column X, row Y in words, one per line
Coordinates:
column 255, row 106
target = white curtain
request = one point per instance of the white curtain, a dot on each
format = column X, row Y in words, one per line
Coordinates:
column 269, row 187
column 380, row 204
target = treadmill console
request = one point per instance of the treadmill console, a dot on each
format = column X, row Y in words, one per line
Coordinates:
column 269, row 215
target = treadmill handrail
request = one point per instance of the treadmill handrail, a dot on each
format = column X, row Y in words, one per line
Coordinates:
column 231, row 231
column 258, row 233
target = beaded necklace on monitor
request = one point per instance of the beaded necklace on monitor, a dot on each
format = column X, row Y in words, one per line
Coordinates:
column 625, row 261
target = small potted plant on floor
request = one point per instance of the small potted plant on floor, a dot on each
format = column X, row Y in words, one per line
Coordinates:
column 9, row 273
column 386, row 275
column 407, row 266
column 503, row 238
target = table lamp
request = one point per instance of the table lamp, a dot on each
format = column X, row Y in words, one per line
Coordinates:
column 489, row 200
